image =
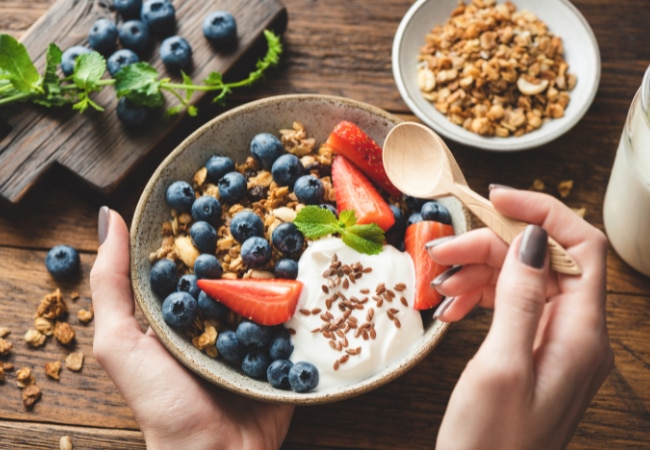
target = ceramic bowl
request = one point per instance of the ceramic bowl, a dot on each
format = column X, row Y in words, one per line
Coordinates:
column 230, row 134
column 562, row 18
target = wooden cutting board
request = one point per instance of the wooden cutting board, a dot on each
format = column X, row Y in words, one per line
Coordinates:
column 95, row 146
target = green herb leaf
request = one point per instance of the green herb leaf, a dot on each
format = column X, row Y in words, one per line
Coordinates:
column 315, row 222
column 139, row 82
column 89, row 68
column 16, row 65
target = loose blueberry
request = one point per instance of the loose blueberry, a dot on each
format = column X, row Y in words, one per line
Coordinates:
column 330, row 207
column 102, row 36
column 286, row 169
column 217, row 166
column 159, row 15
column 255, row 363
column 303, row 376
column 163, row 277
column 180, row 196
column 286, row 268
column 120, row 59
column 187, row 283
column 208, row 266
column 435, row 211
column 207, row 208
column 280, row 346
column 179, row 309
column 69, row 57
column 175, row 53
column 203, row 236
column 62, row 261
column 414, row 218
column 232, row 187
column 287, row 238
column 309, row 190
column 211, row 308
column 229, row 346
column 132, row 115
column 134, row 35
column 277, row 374
column 255, row 251
column 252, row 334
column 128, row 9
column 266, row 148
column 245, row 224
column 220, row 29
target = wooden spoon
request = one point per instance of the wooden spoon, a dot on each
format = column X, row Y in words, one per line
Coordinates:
column 420, row 164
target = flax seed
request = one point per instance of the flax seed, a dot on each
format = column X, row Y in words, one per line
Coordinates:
column 403, row 301
column 305, row 312
column 399, row 287
column 325, row 289
column 315, row 311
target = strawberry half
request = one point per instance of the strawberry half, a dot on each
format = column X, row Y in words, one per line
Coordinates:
column 266, row 302
column 349, row 140
column 354, row 191
column 426, row 269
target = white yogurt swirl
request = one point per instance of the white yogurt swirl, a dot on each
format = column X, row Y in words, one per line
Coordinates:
column 355, row 315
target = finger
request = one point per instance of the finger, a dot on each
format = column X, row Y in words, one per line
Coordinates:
column 453, row 309
column 461, row 279
column 480, row 246
column 520, row 294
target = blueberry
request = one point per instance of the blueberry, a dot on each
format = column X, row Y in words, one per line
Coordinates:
column 159, row 15
column 208, row 266
column 252, row 334
column 277, row 374
column 414, row 218
column 266, row 148
column 134, row 35
column 69, row 57
column 287, row 238
column 128, row 9
column 286, row 169
column 179, row 309
column 204, row 236
column 163, row 277
column 286, row 268
column 217, row 166
column 280, row 346
column 211, row 308
column 232, row 187
column 207, row 208
column 255, row 363
column 62, row 261
column 220, row 29
column 102, row 36
column 255, row 251
column 330, row 207
column 175, row 53
column 395, row 234
column 121, row 58
column 245, row 224
column 180, row 196
column 435, row 211
column 303, row 376
column 229, row 346
column 132, row 115
column 414, row 203
column 187, row 283
column 309, row 190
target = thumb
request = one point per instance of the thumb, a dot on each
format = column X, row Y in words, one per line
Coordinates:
column 520, row 294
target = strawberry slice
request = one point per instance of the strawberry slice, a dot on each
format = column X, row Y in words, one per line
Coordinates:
column 349, row 140
column 354, row 191
column 266, row 302
column 426, row 269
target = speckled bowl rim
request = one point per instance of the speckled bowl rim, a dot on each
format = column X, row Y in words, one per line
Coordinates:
column 562, row 17
column 216, row 371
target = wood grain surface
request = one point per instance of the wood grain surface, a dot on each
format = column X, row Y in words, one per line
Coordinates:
column 338, row 47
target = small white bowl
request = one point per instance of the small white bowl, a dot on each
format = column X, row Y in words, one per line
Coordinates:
column 563, row 19
column 230, row 134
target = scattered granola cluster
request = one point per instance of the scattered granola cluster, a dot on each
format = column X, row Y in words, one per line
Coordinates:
column 494, row 70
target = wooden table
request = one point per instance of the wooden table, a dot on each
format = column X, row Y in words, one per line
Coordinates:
column 338, row 47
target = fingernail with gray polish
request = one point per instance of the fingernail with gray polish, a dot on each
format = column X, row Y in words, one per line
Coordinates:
column 431, row 244
column 442, row 307
column 444, row 276
column 532, row 250
column 102, row 223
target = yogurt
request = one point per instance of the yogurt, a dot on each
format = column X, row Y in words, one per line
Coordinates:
column 355, row 315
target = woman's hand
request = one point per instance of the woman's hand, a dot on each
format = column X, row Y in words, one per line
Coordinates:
column 174, row 408
column 547, row 351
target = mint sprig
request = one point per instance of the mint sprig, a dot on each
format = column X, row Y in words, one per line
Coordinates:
column 141, row 83
column 316, row 222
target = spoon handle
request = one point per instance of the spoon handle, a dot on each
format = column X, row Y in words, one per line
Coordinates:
column 507, row 228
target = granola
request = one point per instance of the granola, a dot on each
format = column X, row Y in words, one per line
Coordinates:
column 74, row 361
column 494, row 70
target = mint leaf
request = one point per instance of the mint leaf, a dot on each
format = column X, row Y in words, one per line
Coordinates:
column 16, row 65
column 315, row 222
column 89, row 68
column 139, row 82
column 347, row 218
column 367, row 238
